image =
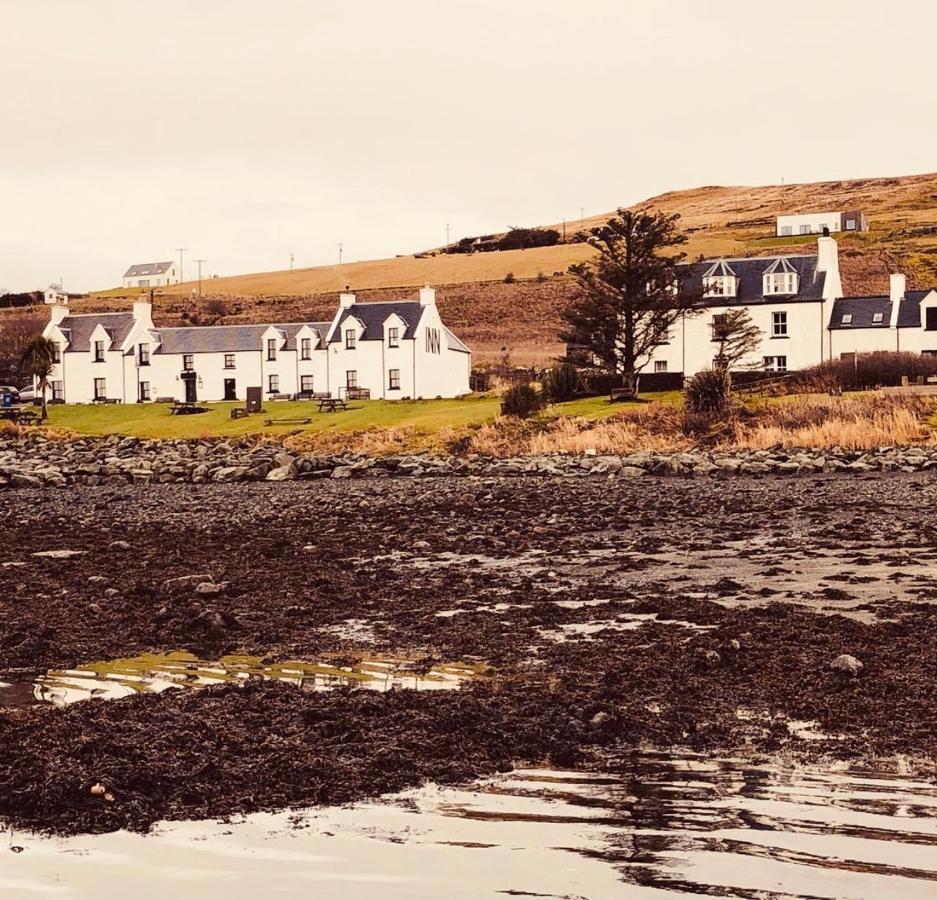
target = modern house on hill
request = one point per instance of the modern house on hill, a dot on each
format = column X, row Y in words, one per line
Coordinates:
column 396, row 350
column 797, row 303
column 814, row 223
column 146, row 275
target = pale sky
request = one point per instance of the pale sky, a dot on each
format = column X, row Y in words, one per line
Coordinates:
column 246, row 130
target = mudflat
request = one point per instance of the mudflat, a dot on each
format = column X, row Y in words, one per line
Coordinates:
column 202, row 651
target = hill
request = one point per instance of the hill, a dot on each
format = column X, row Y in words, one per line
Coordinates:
column 524, row 316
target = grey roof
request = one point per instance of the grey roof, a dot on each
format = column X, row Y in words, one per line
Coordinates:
column 781, row 264
column 154, row 268
column 750, row 272
column 80, row 328
column 227, row 338
column 373, row 316
column 454, row 342
column 719, row 268
column 863, row 310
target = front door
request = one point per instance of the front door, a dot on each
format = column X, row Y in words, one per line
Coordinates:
column 229, row 390
column 191, row 394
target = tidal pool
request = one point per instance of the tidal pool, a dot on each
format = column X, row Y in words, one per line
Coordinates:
column 665, row 826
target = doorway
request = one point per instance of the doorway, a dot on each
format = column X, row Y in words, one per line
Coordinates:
column 230, row 393
column 191, row 392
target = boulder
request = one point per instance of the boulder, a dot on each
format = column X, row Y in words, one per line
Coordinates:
column 846, row 664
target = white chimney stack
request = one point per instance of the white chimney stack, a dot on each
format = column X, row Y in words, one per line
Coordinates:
column 59, row 313
column 898, row 284
column 346, row 299
column 143, row 312
column 828, row 262
column 427, row 296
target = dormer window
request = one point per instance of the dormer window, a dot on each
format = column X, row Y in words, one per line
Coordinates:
column 351, row 339
column 99, row 351
column 847, row 319
column 393, row 337
column 780, row 278
column 878, row 318
column 720, row 281
column 271, row 349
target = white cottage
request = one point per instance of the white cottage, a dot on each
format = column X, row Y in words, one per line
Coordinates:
column 147, row 275
column 394, row 350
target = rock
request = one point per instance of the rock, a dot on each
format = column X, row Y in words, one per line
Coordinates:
column 59, row 554
column 211, row 588
column 631, row 472
column 343, row 471
column 120, row 546
column 111, row 592
column 282, row 473
column 846, row 664
column 184, row 583
column 600, row 718
column 18, row 479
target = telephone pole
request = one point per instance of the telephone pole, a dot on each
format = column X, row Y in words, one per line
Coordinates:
column 200, row 261
column 339, row 253
column 582, row 215
column 291, row 262
column 181, row 251
column 448, row 226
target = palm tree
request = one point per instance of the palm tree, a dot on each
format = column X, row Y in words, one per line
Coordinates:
column 37, row 361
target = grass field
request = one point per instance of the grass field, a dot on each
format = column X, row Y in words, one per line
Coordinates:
column 425, row 417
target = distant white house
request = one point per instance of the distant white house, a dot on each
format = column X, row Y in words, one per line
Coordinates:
column 146, row 275
column 814, row 223
column 394, row 350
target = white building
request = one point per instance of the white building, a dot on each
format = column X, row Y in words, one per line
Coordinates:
column 395, row 350
column 797, row 303
column 147, row 275
column 814, row 223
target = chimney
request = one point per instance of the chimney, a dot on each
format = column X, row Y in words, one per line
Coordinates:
column 59, row 312
column 346, row 299
column 143, row 312
column 897, row 286
column 828, row 262
column 427, row 296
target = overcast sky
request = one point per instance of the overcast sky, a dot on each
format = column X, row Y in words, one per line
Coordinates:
column 246, row 130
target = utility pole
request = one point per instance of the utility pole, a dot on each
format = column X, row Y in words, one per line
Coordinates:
column 200, row 261
column 447, row 236
column 291, row 262
column 181, row 251
column 339, row 252
column 564, row 231
column 582, row 215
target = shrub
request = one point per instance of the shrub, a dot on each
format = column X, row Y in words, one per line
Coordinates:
column 708, row 393
column 541, row 278
column 509, row 278
column 521, row 401
column 865, row 372
column 561, row 383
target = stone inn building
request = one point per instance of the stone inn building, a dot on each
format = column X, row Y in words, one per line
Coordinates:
column 797, row 303
column 394, row 350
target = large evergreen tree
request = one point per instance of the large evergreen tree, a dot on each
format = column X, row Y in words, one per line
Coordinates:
column 629, row 295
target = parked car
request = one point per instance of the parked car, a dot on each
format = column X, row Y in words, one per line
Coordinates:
column 28, row 394
column 9, row 389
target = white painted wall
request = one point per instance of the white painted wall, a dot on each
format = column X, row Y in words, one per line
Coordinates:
column 170, row 276
column 816, row 222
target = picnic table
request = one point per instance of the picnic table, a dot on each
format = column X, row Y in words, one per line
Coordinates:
column 184, row 408
column 20, row 416
column 331, row 404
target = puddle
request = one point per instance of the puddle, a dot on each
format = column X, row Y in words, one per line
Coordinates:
column 156, row 672
column 665, row 827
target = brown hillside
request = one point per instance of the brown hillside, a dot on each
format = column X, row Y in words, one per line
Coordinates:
column 524, row 317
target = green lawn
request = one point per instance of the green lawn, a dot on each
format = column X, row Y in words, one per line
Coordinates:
column 426, row 416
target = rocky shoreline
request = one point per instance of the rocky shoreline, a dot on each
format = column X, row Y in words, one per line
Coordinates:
column 35, row 461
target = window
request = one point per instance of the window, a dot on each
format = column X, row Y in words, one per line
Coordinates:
column 775, row 364
column 719, row 326
column 271, row 348
column 779, row 324
column 847, row 319
column 850, row 224
column 393, row 379
column 100, row 388
column 143, row 282
column 780, row 283
column 273, row 384
column 144, row 391
column 350, row 338
column 930, row 319
column 305, row 384
column 877, row 318
column 99, row 351
column 786, row 230
column 188, row 362
column 56, row 352
column 351, row 378
column 805, row 229
column 720, row 286
column 229, row 360
column 144, row 354
column 660, row 365
column 305, row 348
column 432, row 340
column 58, row 390
column 393, row 337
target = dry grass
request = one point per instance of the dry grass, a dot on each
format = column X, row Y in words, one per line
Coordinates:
column 368, row 441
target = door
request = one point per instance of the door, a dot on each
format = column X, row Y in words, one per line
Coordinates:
column 229, row 389
column 191, row 394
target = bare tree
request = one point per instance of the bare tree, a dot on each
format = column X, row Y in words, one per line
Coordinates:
column 737, row 336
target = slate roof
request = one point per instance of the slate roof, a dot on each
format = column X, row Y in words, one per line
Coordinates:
column 719, row 268
column 155, row 268
column 863, row 310
column 80, row 328
column 373, row 316
column 227, row 338
column 750, row 273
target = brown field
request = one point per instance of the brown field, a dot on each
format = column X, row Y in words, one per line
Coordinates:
column 523, row 318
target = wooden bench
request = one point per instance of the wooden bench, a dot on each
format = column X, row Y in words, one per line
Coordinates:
column 165, row 400
column 621, row 394
column 186, row 409
column 238, row 413
column 19, row 416
column 279, row 397
column 331, row 404
column 357, row 393
column 295, row 420
column 105, row 400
